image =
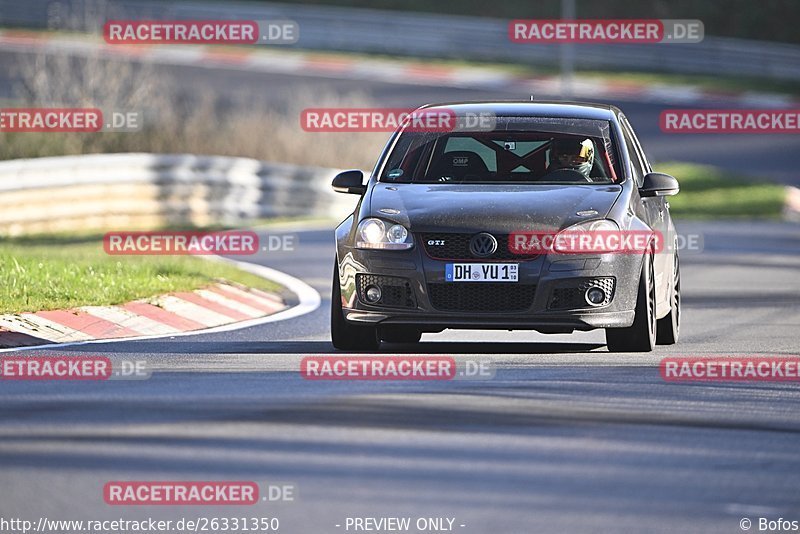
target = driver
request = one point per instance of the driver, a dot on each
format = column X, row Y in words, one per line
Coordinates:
column 572, row 154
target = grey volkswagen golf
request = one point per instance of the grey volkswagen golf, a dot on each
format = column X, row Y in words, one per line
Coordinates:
column 548, row 219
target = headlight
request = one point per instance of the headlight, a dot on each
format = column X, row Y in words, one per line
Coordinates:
column 587, row 237
column 600, row 225
column 397, row 234
column 373, row 233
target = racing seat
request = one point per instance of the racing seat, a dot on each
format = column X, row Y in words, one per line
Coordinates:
column 459, row 166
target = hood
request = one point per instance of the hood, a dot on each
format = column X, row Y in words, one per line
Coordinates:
column 492, row 208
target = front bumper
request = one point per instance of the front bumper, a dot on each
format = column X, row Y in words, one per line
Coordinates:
column 541, row 278
column 545, row 323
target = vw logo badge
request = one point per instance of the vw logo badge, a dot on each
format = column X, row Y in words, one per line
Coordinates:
column 483, row 245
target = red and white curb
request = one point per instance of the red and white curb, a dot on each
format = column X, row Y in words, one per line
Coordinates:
column 392, row 71
column 167, row 314
column 217, row 308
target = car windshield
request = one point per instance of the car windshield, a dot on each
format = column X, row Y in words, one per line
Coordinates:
column 516, row 150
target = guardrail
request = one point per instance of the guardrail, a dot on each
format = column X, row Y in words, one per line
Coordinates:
column 141, row 191
column 429, row 35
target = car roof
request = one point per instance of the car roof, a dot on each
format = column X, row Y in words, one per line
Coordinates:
column 560, row 109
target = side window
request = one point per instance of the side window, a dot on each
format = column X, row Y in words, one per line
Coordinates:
column 637, row 167
column 402, row 161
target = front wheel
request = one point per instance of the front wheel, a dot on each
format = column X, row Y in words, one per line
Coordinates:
column 344, row 335
column 641, row 335
column 669, row 327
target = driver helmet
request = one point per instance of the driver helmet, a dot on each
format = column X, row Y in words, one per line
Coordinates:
column 574, row 154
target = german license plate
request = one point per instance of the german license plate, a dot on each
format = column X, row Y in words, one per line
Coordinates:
column 481, row 272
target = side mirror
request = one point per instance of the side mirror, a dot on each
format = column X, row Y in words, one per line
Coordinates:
column 657, row 184
column 349, row 182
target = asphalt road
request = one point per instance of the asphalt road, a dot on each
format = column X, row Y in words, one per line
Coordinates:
column 566, row 437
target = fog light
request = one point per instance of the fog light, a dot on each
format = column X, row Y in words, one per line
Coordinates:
column 373, row 294
column 595, row 296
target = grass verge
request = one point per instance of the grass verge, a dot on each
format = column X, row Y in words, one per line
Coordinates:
column 708, row 192
column 48, row 273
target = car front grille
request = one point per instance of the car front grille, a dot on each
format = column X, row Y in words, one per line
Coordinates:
column 571, row 298
column 481, row 296
column 395, row 291
column 455, row 246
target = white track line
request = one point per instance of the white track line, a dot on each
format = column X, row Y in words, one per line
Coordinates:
column 309, row 299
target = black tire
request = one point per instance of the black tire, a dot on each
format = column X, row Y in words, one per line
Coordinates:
column 669, row 328
column 641, row 335
column 344, row 335
column 400, row 334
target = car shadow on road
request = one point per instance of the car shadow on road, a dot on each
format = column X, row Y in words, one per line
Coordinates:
column 325, row 347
